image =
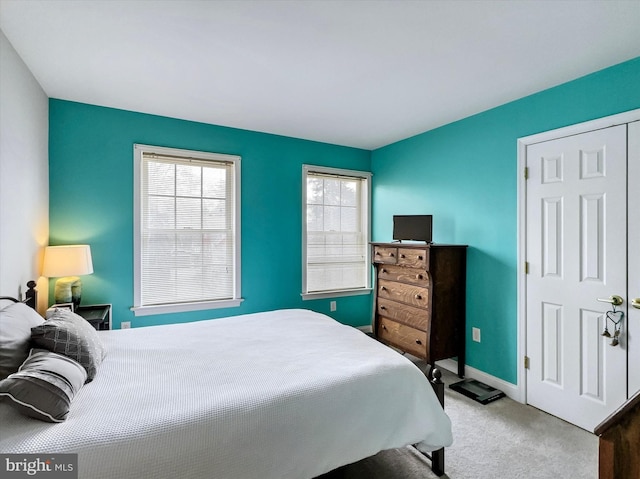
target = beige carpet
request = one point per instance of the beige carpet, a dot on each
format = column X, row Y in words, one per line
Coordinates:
column 503, row 439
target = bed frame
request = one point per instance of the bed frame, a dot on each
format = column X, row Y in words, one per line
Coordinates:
column 434, row 375
column 30, row 297
column 437, row 457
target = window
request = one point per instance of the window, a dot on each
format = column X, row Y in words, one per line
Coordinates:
column 335, row 232
column 187, row 230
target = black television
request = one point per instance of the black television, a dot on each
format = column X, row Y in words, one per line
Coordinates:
column 412, row 227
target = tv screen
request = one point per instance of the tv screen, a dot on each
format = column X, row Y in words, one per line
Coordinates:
column 412, row 227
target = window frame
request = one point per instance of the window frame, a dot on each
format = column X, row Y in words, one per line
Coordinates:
column 365, row 201
column 145, row 310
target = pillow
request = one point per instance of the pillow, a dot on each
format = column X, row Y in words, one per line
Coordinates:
column 16, row 321
column 71, row 335
column 44, row 386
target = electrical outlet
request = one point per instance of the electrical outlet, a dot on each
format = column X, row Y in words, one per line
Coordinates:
column 125, row 325
column 476, row 334
column 333, row 306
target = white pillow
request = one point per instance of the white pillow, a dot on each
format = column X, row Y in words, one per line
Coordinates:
column 16, row 321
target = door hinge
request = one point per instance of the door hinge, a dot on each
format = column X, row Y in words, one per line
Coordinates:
column 526, row 362
column 526, row 267
column 526, row 172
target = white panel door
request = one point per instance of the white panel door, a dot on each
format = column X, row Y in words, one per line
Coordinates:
column 634, row 257
column 577, row 252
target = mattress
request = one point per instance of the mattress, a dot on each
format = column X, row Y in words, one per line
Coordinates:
column 281, row 394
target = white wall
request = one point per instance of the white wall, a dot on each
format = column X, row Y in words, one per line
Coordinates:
column 24, row 175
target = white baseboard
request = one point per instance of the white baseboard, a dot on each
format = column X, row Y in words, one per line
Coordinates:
column 511, row 390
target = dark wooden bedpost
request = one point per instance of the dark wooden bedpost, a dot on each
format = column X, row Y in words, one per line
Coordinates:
column 31, row 295
column 437, row 457
column 438, row 385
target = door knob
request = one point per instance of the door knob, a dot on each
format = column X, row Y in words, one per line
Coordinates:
column 635, row 302
column 613, row 299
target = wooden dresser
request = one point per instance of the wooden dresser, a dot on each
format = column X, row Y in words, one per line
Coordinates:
column 419, row 304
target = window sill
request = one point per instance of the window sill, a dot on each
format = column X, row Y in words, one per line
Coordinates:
column 336, row 294
column 184, row 307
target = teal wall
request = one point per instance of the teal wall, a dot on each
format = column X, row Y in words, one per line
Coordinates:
column 91, row 201
column 465, row 175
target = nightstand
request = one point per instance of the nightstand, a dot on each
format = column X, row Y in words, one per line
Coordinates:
column 99, row 315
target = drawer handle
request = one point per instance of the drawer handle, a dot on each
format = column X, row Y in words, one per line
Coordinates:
column 420, row 258
column 384, row 327
column 418, row 341
column 418, row 296
column 383, row 270
column 402, row 256
column 419, row 276
column 392, row 255
column 383, row 308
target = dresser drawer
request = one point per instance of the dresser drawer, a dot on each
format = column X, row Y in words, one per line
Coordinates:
column 404, row 275
column 404, row 293
column 404, row 337
column 385, row 255
column 414, row 258
column 415, row 317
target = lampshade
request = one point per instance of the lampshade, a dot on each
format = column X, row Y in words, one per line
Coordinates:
column 67, row 263
column 69, row 260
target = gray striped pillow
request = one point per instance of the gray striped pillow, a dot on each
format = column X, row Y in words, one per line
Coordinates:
column 44, row 386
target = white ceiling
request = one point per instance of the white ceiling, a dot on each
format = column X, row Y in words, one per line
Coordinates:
column 356, row 73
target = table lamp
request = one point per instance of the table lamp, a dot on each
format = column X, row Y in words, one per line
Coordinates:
column 67, row 263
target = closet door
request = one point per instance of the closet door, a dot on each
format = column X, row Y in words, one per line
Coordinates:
column 633, row 189
column 576, row 209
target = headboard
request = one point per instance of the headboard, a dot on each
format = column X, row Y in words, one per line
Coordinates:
column 30, row 296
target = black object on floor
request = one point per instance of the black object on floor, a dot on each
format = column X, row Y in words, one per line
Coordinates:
column 477, row 391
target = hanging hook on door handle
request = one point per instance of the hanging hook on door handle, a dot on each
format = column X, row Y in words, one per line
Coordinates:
column 613, row 299
column 614, row 316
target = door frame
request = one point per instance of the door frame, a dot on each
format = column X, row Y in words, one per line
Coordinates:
column 597, row 124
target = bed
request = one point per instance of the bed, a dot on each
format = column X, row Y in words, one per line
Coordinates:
column 280, row 394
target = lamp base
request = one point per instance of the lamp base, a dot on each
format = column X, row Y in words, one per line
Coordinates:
column 68, row 290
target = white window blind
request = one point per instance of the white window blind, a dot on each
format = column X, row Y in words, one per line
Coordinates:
column 336, row 239
column 188, row 231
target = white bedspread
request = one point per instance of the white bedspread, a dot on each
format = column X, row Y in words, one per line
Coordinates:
column 283, row 394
